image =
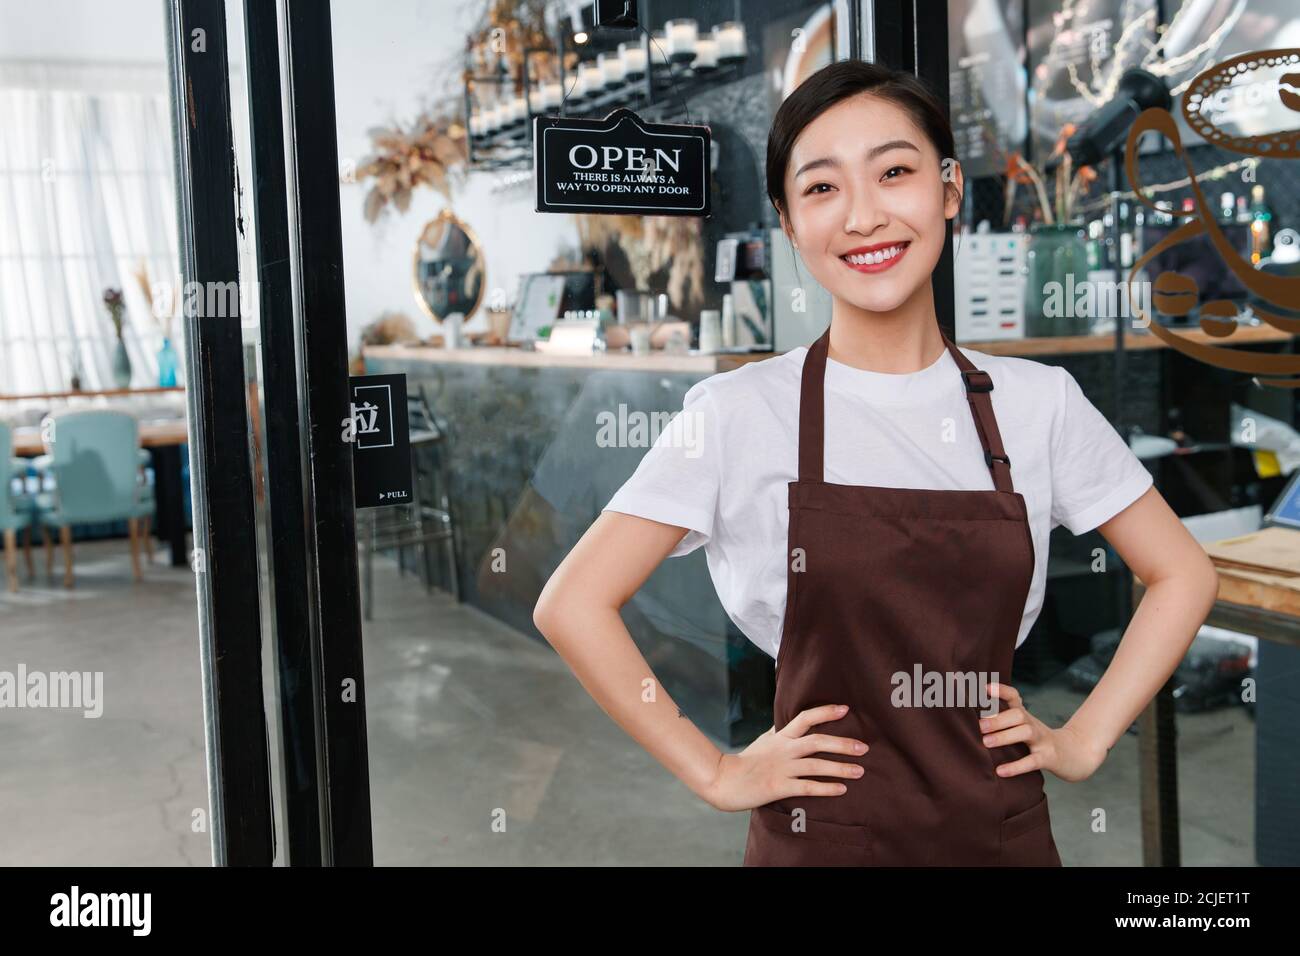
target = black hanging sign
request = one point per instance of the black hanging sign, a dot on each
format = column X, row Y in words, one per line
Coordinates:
column 381, row 441
column 620, row 165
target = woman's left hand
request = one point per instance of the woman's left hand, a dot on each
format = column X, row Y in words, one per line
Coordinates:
column 1063, row 751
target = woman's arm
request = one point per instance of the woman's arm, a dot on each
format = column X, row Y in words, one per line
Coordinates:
column 1181, row 586
column 578, row 612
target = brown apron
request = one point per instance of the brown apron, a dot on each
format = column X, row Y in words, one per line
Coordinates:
column 913, row 582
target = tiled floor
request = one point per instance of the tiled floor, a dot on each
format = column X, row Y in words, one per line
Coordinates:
column 467, row 720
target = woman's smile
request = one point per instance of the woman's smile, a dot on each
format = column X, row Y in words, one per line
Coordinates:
column 875, row 258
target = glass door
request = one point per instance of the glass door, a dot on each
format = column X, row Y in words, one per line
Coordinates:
column 127, row 499
column 413, row 245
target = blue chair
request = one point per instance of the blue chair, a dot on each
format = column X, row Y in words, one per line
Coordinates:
column 15, row 510
column 94, row 457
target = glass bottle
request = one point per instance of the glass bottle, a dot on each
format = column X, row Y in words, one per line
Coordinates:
column 167, row 360
column 1243, row 210
column 1261, row 225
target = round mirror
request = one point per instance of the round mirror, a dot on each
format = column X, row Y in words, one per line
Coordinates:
column 448, row 268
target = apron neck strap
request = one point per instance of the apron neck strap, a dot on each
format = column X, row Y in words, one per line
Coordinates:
column 812, row 413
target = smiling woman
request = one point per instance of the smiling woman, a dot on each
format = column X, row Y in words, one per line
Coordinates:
column 861, row 169
column 857, row 503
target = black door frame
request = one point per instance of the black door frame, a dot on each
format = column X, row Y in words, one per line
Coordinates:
column 312, row 559
column 890, row 33
column 221, row 478
column 287, row 537
column 316, row 237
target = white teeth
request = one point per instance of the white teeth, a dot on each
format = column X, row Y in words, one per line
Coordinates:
column 873, row 258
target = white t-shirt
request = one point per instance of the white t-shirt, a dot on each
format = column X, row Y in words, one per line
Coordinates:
column 720, row 468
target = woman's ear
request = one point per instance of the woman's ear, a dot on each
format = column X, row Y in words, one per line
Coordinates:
column 786, row 227
column 954, row 188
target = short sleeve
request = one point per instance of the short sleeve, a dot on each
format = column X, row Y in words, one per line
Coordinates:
column 1095, row 474
column 677, row 480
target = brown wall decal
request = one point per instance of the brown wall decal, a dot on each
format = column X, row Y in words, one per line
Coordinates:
column 1175, row 294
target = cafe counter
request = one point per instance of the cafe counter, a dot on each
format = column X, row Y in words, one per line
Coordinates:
column 537, row 444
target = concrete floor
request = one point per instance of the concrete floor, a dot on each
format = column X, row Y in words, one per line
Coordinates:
column 465, row 717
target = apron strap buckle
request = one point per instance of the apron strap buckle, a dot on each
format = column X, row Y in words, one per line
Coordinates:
column 983, row 385
column 989, row 458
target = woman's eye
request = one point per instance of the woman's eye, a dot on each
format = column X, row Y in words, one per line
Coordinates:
column 892, row 168
column 816, row 187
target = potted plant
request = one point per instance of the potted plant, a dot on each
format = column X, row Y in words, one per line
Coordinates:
column 116, row 306
column 1057, row 249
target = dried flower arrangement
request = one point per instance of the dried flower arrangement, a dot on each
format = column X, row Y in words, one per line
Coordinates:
column 391, row 328
column 116, row 309
column 424, row 153
column 141, row 276
column 504, row 30
column 1068, row 183
column 650, row 244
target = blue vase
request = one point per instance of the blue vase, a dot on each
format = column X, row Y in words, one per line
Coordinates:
column 121, row 366
column 167, row 365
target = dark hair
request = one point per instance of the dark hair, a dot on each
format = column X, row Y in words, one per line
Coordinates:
column 839, row 81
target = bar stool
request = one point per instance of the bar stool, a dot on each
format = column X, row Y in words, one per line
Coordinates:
column 428, row 518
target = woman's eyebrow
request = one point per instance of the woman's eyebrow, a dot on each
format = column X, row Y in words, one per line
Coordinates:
column 892, row 144
column 872, row 153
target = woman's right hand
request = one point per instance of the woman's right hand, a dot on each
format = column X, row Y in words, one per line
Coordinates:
column 774, row 765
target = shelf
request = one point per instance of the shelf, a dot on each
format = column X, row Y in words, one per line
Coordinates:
column 1133, row 341
column 669, row 97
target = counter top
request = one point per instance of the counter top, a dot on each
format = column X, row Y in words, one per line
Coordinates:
column 1133, row 341
column 658, row 361
column 655, row 361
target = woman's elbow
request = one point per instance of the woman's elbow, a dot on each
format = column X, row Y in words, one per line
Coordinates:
column 1193, row 576
column 558, row 606
column 1208, row 582
column 1197, row 581
column 546, row 611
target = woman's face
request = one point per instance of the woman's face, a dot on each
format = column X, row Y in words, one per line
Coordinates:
column 864, row 184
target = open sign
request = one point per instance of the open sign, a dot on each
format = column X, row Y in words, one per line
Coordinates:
column 621, row 165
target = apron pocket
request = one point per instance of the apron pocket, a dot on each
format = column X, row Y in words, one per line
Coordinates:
column 1027, row 837
column 774, row 842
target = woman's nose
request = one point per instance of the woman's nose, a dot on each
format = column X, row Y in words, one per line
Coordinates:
column 865, row 213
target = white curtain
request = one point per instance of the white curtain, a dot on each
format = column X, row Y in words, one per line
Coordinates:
column 86, row 200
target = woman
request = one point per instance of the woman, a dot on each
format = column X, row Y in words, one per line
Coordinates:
column 866, row 525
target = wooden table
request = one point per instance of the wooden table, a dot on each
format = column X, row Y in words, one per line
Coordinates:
column 100, row 393
column 164, row 440
column 1250, row 602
